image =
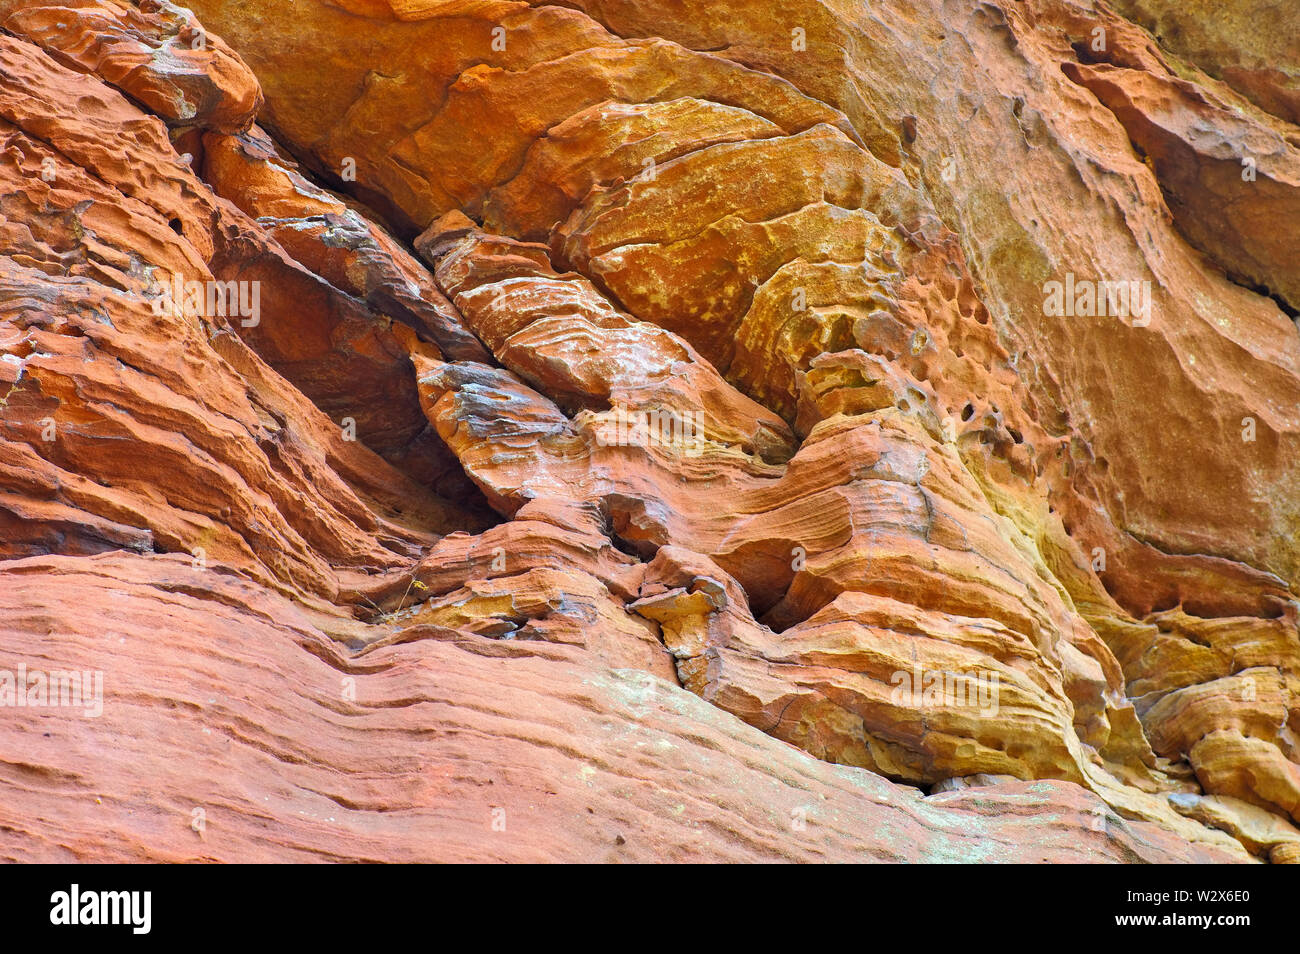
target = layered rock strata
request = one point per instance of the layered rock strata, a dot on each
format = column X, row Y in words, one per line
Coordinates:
column 486, row 431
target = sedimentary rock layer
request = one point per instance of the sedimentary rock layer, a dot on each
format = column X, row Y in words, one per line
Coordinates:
column 491, row 431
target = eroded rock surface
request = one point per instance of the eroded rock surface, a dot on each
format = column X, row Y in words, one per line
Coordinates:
column 706, row 432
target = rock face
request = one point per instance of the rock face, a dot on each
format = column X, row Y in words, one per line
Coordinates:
column 450, row 430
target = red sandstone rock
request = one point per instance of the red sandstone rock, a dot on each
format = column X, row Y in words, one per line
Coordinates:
column 728, row 415
column 1250, row 45
column 154, row 51
column 451, row 748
